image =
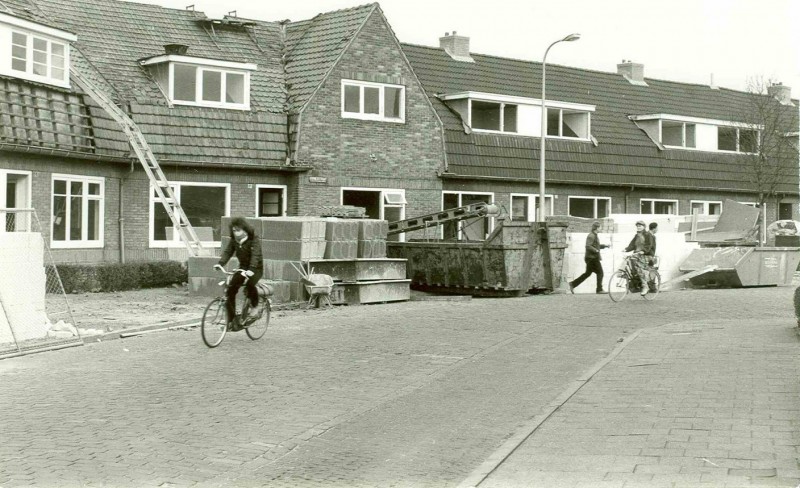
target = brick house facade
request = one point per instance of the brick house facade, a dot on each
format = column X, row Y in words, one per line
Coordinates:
column 295, row 142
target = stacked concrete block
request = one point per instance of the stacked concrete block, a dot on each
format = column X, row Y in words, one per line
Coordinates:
column 293, row 238
column 372, row 238
column 341, row 238
column 204, row 279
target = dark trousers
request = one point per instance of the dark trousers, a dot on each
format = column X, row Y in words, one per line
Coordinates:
column 592, row 266
column 250, row 290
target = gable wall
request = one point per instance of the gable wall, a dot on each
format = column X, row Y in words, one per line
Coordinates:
column 406, row 155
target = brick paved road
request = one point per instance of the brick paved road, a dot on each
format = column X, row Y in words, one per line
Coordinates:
column 410, row 394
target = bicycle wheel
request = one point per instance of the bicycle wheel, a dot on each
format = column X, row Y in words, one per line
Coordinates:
column 214, row 324
column 618, row 286
column 654, row 285
column 259, row 326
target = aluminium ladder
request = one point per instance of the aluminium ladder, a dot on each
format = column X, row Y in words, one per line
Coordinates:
column 165, row 193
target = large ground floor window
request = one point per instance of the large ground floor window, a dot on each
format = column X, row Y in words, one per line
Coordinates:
column 472, row 229
column 525, row 207
column 658, row 206
column 706, row 207
column 589, row 207
column 204, row 204
column 77, row 211
column 378, row 203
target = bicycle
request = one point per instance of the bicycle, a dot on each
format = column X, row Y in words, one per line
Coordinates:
column 626, row 279
column 214, row 324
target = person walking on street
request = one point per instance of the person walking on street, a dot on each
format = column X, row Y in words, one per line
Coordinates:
column 640, row 246
column 592, row 259
column 651, row 236
column 247, row 248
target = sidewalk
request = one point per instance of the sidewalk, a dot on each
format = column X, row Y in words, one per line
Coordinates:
column 705, row 403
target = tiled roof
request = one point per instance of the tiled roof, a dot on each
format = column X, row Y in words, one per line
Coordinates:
column 624, row 153
column 114, row 35
column 314, row 46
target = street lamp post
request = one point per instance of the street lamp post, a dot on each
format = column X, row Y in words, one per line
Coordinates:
column 571, row 37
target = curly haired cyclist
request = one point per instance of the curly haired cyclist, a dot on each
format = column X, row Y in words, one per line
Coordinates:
column 247, row 248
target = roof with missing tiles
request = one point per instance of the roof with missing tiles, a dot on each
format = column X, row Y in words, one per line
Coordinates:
column 624, row 154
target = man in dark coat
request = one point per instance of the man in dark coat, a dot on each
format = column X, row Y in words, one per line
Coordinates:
column 592, row 259
column 640, row 246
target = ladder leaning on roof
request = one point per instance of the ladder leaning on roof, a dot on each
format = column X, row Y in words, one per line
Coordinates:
column 164, row 191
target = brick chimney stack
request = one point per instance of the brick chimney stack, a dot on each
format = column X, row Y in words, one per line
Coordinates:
column 633, row 72
column 781, row 93
column 456, row 46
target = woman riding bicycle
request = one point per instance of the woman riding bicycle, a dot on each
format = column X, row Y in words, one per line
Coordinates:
column 247, row 248
column 640, row 246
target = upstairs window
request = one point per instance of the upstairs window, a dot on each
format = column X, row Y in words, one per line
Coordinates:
column 573, row 124
column 494, row 116
column 35, row 52
column 373, row 101
column 678, row 134
column 737, row 139
column 202, row 82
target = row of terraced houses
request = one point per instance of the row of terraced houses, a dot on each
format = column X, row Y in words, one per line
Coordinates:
column 257, row 118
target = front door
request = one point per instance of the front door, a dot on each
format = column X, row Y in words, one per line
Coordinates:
column 15, row 192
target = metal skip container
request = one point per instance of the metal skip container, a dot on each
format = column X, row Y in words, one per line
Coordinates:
column 738, row 266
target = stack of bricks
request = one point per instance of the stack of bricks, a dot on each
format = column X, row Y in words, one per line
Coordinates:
column 372, row 238
column 341, row 238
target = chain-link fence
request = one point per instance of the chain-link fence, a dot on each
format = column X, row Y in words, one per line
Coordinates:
column 34, row 311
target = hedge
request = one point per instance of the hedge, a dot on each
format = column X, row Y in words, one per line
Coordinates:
column 79, row 278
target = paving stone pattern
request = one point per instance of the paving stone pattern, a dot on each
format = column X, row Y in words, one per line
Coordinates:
column 418, row 394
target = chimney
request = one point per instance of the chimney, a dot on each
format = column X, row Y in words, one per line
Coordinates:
column 456, row 46
column 175, row 48
column 781, row 93
column 633, row 72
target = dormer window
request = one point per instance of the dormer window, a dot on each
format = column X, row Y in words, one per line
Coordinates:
column 508, row 114
column 679, row 132
column 186, row 80
column 34, row 52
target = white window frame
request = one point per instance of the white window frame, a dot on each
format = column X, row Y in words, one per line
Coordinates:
column 284, row 190
column 588, row 197
column 176, row 238
column 83, row 243
column 683, row 134
column 706, row 204
column 502, row 116
column 381, row 100
column 533, row 204
column 652, row 201
column 757, row 128
column 460, row 194
column 202, row 65
column 560, row 135
column 10, row 24
column 24, row 217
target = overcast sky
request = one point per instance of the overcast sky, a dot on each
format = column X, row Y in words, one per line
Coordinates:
column 679, row 40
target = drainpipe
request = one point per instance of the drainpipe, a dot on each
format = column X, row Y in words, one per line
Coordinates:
column 122, row 213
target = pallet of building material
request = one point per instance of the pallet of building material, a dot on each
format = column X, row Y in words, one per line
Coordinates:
column 203, row 266
column 281, row 269
column 353, row 270
column 293, row 228
column 364, row 292
column 371, row 249
column 371, row 229
column 341, row 236
column 294, row 250
column 347, row 211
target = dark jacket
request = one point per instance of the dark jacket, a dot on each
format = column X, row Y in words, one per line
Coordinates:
column 248, row 253
column 593, row 247
column 650, row 239
column 640, row 242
